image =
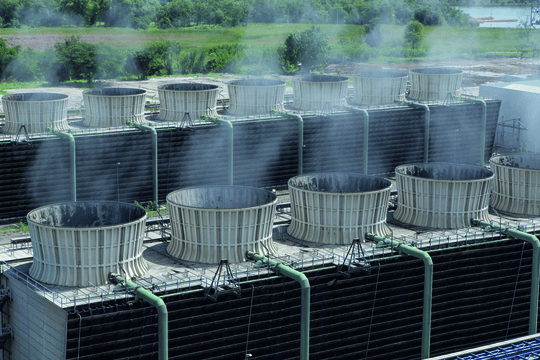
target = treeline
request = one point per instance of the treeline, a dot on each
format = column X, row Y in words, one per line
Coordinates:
column 142, row 14
column 306, row 51
column 489, row 2
column 73, row 59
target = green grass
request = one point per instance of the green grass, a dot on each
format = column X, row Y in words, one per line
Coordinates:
column 20, row 228
column 443, row 42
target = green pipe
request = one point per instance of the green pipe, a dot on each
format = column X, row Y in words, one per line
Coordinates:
column 300, row 141
column 163, row 317
column 154, row 157
column 484, row 126
column 305, row 302
column 428, row 285
column 533, row 308
column 366, row 136
column 300, row 136
column 427, row 120
column 72, row 160
column 231, row 147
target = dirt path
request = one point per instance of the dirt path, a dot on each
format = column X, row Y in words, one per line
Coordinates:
column 41, row 42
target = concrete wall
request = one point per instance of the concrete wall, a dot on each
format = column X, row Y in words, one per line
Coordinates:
column 39, row 326
column 518, row 100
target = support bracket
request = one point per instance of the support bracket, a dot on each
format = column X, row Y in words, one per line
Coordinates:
column 355, row 256
column 228, row 286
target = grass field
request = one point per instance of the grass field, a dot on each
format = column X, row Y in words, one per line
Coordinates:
column 443, row 41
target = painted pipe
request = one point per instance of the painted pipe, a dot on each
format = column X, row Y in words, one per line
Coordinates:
column 300, row 136
column 154, row 156
column 533, row 240
column 305, row 299
column 484, row 122
column 72, row 160
column 300, row 140
column 427, row 120
column 366, row 136
column 428, row 285
column 158, row 303
column 230, row 130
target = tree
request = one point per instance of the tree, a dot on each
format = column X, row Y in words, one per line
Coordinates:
column 6, row 55
column 414, row 34
column 308, row 50
column 137, row 14
column 25, row 66
column 78, row 57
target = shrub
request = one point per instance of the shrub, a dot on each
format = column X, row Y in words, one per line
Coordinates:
column 193, row 62
column 308, row 49
column 110, row 61
column 222, row 57
column 414, row 35
column 78, row 57
column 6, row 55
column 25, row 66
column 53, row 70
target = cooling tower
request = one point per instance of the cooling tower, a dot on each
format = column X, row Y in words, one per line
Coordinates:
column 36, row 111
column 335, row 208
column 79, row 243
column 434, row 83
column 175, row 100
column 517, row 183
column 213, row 223
column 113, row 106
column 316, row 92
column 378, row 87
column 255, row 96
column 443, row 196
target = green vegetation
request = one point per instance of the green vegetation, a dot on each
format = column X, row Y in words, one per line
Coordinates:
column 164, row 14
column 308, row 49
column 255, row 49
column 20, row 228
column 152, row 211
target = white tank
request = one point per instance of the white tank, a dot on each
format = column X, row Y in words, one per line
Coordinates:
column 442, row 196
column 434, row 83
column 516, row 188
column 36, row 111
column 79, row 243
column 255, row 96
column 335, row 208
column 379, row 87
column 113, row 106
column 214, row 223
column 316, row 92
column 196, row 99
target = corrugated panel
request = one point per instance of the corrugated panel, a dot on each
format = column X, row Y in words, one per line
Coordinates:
column 265, row 154
column 480, row 295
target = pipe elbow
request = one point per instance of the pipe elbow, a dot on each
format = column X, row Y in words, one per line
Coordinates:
column 161, row 306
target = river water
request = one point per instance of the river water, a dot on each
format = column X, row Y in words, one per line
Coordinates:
column 521, row 13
